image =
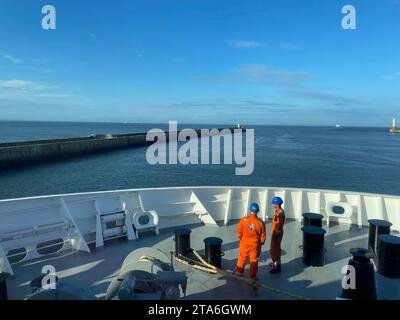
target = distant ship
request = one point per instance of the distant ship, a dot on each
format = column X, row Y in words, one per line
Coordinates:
column 338, row 126
column 394, row 128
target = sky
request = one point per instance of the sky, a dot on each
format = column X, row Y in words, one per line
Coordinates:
column 286, row 62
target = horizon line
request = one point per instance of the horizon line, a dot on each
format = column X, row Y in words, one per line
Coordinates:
column 192, row 123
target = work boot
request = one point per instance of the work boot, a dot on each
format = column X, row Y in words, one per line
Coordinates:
column 239, row 271
column 276, row 269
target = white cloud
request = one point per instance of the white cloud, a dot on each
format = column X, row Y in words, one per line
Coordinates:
column 392, row 76
column 24, row 88
column 50, row 95
column 25, row 85
column 245, row 44
column 331, row 99
column 92, row 35
column 288, row 45
column 12, row 59
column 44, row 70
column 257, row 44
column 262, row 74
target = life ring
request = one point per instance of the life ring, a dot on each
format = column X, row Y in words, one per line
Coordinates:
column 152, row 219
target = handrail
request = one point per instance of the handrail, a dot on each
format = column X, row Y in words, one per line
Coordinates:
column 127, row 191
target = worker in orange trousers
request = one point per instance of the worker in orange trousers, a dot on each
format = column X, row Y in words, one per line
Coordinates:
column 252, row 235
column 278, row 221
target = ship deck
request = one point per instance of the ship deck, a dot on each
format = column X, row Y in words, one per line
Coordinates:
column 91, row 273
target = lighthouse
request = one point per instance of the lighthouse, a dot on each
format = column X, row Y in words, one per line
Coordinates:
column 394, row 128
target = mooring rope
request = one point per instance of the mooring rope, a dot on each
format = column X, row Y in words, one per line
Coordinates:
column 204, row 266
column 194, row 264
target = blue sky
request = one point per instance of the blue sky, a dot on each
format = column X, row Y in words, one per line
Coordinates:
column 201, row 61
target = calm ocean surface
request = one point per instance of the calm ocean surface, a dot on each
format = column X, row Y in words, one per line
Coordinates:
column 355, row 159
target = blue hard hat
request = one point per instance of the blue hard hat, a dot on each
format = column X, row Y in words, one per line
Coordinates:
column 277, row 201
column 254, row 208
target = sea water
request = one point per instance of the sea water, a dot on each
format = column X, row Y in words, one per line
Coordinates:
column 350, row 159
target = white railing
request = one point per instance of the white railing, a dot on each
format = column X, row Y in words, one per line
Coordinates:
column 175, row 207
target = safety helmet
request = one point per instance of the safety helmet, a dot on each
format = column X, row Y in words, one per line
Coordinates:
column 277, row 201
column 254, row 208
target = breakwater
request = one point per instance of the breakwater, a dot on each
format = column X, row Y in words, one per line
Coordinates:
column 16, row 154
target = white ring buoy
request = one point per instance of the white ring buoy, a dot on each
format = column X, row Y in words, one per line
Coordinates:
column 151, row 215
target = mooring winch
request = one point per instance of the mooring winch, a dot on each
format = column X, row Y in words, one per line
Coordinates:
column 147, row 273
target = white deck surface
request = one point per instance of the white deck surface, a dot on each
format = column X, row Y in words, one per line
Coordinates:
column 91, row 273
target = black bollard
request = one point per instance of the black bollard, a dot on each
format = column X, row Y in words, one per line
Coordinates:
column 313, row 246
column 312, row 219
column 389, row 256
column 376, row 228
column 182, row 242
column 213, row 251
column 3, row 286
column 365, row 288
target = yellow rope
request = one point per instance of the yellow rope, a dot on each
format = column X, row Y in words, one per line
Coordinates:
column 253, row 283
column 194, row 264
column 203, row 261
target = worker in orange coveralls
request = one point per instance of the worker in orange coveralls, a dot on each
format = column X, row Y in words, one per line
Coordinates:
column 278, row 221
column 252, row 235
